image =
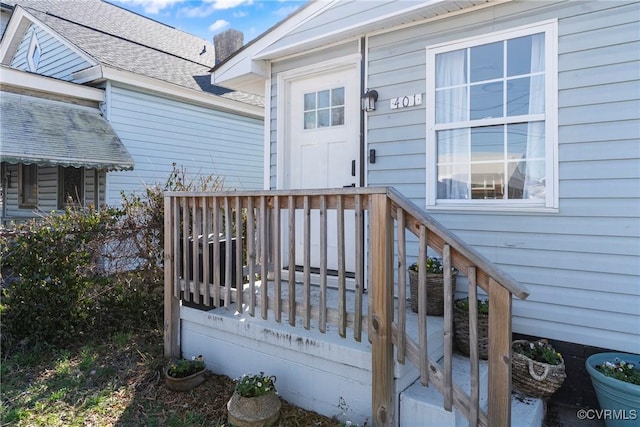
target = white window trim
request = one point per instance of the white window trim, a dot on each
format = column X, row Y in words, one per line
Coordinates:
column 551, row 201
column 33, row 45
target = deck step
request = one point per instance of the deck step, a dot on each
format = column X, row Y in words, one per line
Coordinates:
column 423, row 406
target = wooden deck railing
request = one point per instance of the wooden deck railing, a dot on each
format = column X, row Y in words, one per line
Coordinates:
column 255, row 236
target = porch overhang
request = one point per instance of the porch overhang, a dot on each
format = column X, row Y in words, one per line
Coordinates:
column 53, row 133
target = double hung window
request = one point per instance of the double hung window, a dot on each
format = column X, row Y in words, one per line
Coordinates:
column 27, row 186
column 491, row 125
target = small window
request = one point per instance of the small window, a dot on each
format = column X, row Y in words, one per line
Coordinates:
column 35, row 53
column 324, row 108
column 71, row 188
column 27, row 186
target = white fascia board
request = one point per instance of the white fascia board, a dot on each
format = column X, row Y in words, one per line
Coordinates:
column 245, row 62
column 189, row 95
column 18, row 24
column 24, row 80
column 365, row 27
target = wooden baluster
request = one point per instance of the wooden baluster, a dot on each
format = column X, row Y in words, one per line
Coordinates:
column 422, row 308
column 206, row 272
column 251, row 255
column 292, row 261
column 228, row 246
column 307, row 264
column 186, row 295
column 402, row 274
column 448, row 327
column 474, row 359
column 276, row 236
column 357, row 327
column 322, row 321
column 177, row 271
column 216, row 251
column 264, row 286
column 239, row 252
column 342, row 294
column 194, row 286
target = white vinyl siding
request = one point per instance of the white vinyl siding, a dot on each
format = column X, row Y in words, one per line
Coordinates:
column 55, row 60
column 582, row 261
column 159, row 131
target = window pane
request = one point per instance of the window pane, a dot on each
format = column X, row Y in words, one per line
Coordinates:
column 28, row 185
column 487, row 62
column 534, row 185
column 337, row 96
column 487, row 143
column 323, row 118
column 309, row 101
column 517, row 141
column 451, row 105
column 337, row 116
column 519, row 56
column 310, row 120
column 517, row 174
column 486, row 101
column 487, row 181
column 451, row 68
column 518, row 96
column 453, row 146
column 452, row 182
column 323, row 99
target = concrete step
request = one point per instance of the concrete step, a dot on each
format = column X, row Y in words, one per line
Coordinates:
column 423, row 406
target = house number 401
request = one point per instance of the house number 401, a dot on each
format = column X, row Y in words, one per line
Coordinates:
column 406, row 101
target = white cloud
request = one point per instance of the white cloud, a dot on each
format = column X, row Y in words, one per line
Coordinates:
column 229, row 4
column 205, row 9
column 218, row 25
column 151, row 6
column 239, row 14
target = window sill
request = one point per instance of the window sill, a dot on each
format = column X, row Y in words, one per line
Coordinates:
column 493, row 208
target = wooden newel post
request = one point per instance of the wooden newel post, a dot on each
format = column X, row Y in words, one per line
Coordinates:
column 499, row 399
column 381, row 310
column 171, row 291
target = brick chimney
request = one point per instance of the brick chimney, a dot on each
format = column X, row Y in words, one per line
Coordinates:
column 226, row 43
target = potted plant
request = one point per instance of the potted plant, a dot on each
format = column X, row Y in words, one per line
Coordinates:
column 616, row 381
column 255, row 402
column 537, row 369
column 461, row 326
column 435, row 285
column 183, row 374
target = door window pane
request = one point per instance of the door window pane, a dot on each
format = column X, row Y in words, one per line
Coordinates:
column 324, row 108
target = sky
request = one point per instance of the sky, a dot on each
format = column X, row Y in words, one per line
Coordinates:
column 205, row 18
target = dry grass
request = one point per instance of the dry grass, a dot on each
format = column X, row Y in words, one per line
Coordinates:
column 116, row 383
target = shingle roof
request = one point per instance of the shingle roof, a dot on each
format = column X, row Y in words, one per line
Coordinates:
column 127, row 41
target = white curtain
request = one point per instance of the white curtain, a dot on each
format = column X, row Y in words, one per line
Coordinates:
column 451, row 106
column 534, row 183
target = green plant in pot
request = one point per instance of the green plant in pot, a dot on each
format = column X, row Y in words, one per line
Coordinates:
column 537, row 368
column 434, row 269
column 184, row 374
column 255, row 402
column 461, row 326
column 616, row 381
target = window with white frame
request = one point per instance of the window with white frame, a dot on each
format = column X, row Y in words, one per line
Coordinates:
column 491, row 122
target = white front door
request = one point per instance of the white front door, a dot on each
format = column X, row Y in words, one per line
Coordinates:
column 323, row 150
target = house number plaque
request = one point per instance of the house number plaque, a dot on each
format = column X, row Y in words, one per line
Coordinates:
column 406, row 101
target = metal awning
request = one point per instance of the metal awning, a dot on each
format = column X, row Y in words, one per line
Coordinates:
column 53, row 133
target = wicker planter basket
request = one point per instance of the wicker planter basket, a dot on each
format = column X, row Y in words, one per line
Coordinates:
column 461, row 332
column 435, row 292
column 535, row 379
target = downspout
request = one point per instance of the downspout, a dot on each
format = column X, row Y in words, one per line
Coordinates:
column 363, row 89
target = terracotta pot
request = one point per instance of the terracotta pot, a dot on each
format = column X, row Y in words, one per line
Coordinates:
column 184, row 383
column 260, row 411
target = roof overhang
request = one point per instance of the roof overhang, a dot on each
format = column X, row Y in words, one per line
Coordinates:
column 248, row 68
column 48, row 132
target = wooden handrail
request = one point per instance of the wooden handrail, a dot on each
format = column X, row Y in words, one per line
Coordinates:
column 255, row 220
